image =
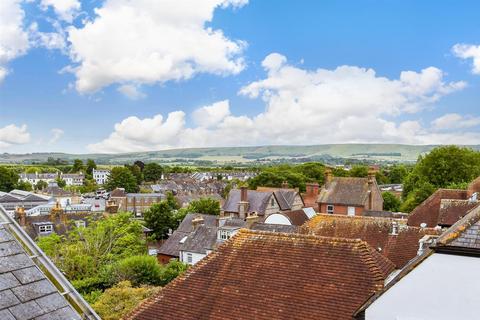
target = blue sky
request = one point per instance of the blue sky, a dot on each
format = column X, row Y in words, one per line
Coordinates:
column 236, row 72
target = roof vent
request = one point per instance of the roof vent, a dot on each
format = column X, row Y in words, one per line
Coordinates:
column 423, row 225
column 394, row 228
column 473, row 198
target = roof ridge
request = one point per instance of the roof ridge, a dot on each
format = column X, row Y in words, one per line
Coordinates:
column 244, row 231
column 367, row 255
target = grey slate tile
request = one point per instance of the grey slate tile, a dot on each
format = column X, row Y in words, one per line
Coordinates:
column 66, row 313
column 28, row 275
column 9, row 248
column 7, row 299
column 6, row 315
column 26, row 311
column 34, row 290
column 52, row 302
column 15, row 262
column 5, row 235
column 8, row 280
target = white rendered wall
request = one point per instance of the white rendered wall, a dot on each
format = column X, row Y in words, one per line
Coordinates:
column 195, row 257
column 441, row 287
column 277, row 219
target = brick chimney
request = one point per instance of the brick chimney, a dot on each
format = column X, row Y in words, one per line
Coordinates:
column 57, row 213
column 285, row 185
column 312, row 189
column 328, row 175
column 371, row 180
column 21, row 216
column 243, row 204
column 197, row 221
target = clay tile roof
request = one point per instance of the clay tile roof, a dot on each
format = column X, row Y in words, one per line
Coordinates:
column 429, row 210
column 250, row 277
column 399, row 249
column 453, row 210
column 345, row 190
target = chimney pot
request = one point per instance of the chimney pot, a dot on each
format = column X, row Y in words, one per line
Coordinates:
column 328, row 175
column 196, row 222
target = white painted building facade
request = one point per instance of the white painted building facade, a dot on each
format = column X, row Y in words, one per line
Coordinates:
column 100, row 176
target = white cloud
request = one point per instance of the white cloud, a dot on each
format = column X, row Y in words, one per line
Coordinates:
column 48, row 40
column 151, row 41
column 12, row 134
column 13, row 37
column 131, row 91
column 66, row 10
column 346, row 104
column 469, row 51
column 209, row 116
column 56, row 135
column 455, row 121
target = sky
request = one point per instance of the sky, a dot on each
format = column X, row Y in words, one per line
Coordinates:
column 111, row 76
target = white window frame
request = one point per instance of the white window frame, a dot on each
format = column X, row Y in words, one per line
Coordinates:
column 351, row 211
column 330, row 208
column 45, row 228
column 225, row 234
column 189, row 258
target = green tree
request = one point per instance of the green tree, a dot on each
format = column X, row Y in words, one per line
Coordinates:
column 121, row 299
column 391, row 202
column 121, row 177
column 24, row 185
column 204, row 205
column 8, row 179
column 397, row 173
column 40, row 185
column 172, row 270
column 358, row 171
column 152, row 172
column 77, row 165
column 61, row 183
column 159, row 218
column 139, row 270
column 90, row 166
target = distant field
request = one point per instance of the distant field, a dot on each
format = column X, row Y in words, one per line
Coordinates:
column 374, row 152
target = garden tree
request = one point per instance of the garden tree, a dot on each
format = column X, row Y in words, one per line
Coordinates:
column 160, row 217
column 40, row 185
column 275, row 176
column 314, row 171
column 358, row 171
column 204, row 205
column 442, row 167
column 24, row 185
column 61, row 183
column 121, row 299
column 85, row 255
column 139, row 164
column 121, row 177
column 152, row 172
column 139, row 270
column 89, row 185
column 339, row 172
column 8, row 179
column 391, row 202
column 90, row 166
column 136, row 171
column 397, row 173
column 77, row 166
column 171, row 270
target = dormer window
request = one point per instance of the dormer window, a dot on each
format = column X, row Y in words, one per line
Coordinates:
column 272, row 202
column 225, row 234
column 46, row 228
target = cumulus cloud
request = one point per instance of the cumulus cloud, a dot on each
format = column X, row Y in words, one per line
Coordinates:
column 455, row 121
column 469, row 51
column 13, row 37
column 12, row 134
column 57, row 134
column 346, row 104
column 150, row 41
column 131, row 91
column 65, row 9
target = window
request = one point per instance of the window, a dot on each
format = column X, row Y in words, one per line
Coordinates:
column 351, row 211
column 47, row 228
column 225, row 235
column 189, row 258
column 80, row 224
column 330, row 208
column 272, row 202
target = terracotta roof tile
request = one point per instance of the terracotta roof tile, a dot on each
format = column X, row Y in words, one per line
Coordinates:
column 264, row 275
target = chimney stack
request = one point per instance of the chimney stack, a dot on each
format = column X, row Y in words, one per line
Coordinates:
column 328, row 175
column 285, row 185
column 312, row 189
column 21, row 216
column 243, row 204
column 251, row 219
column 243, row 194
column 196, row 222
column 371, row 180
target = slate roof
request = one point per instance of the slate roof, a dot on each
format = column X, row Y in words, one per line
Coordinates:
column 400, row 248
column 25, row 291
column 285, row 197
column 258, row 201
column 345, row 190
column 429, row 210
column 250, row 277
column 171, row 247
column 203, row 238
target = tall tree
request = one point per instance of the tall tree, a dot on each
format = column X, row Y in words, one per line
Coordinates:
column 204, row 205
column 8, row 179
column 77, row 165
column 136, row 171
column 152, row 172
column 160, row 217
column 90, row 166
column 121, row 177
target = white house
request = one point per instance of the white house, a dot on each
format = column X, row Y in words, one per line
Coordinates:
column 34, row 178
column 442, row 283
column 100, row 176
column 73, row 179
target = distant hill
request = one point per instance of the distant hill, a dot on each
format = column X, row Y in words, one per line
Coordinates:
column 327, row 153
